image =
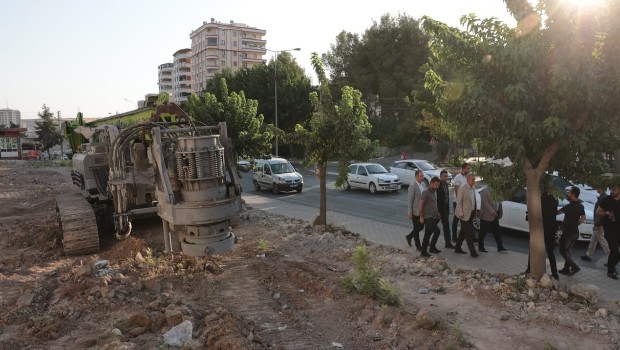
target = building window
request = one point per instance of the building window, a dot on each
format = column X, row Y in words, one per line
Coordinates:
column 223, row 53
column 245, row 65
column 223, row 32
column 222, row 42
column 212, row 41
column 223, row 63
column 234, row 33
column 234, row 53
column 234, row 43
column 235, row 64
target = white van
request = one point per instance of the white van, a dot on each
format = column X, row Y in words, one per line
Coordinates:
column 276, row 174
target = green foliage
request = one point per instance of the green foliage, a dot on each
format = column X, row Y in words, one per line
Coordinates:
column 48, row 133
column 338, row 129
column 257, row 83
column 263, row 244
column 245, row 128
column 366, row 279
column 384, row 64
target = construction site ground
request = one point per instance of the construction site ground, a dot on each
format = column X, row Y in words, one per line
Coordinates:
column 280, row 288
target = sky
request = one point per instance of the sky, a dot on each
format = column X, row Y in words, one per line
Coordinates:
column 101, row 57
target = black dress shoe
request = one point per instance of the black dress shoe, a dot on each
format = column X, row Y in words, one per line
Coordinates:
column 574, row 270
column 408, row 240
column 460, row 251
column 450, row 246
column 475, row 255
column 502, row 250
column 424, row 254
column 434, row 250
column 556, row 276
column 418, row 248
column 612, row 276
column 564, row 271
column 483, row 250
column 586, row 258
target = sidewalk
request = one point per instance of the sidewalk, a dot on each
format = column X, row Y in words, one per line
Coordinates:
column 507, row 262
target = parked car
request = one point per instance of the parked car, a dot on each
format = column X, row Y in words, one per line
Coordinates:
column 405, row 169
column 244, row 165
column 372, row 177
column 515, row 215
column 276, row 174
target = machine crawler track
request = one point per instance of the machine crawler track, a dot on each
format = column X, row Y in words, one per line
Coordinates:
column 77, row 224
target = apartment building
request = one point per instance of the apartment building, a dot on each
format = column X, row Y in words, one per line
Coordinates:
column 8, row 116
column 217, row 46
column 182, row 75
column 165, row 77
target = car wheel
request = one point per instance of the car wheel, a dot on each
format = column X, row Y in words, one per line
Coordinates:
column 275, row 188
column 476, row 221
column 425, row 183
column 558, row 234
column 256, row 186
column 298, row 190
column 372, row 188
column 346, row 185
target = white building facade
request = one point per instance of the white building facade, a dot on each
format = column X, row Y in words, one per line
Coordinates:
column 217, row 46
column 164, row 77
column 8, row 116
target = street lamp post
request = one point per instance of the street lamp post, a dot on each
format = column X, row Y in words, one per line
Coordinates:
column 275, row 87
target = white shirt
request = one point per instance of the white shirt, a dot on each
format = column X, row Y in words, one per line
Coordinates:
column 459, row 180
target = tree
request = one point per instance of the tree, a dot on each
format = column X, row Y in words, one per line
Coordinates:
column 244, row 126
column 258, row 83
column 338, row 130
column 48, row 133
column 385, row 65
column 543, row 93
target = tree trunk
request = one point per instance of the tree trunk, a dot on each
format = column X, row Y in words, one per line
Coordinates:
column 323, row 188
column 534, row 213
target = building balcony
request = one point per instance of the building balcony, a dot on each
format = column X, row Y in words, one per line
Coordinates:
column 252, row 59
column 253, row 48
column 212, row 67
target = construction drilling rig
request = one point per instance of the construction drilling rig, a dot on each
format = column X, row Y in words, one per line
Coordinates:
column 152, row 161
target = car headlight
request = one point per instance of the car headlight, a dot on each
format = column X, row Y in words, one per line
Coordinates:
column 279, row 179
column 381, row 181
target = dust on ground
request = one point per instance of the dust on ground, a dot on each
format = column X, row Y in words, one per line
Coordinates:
column 280, row 288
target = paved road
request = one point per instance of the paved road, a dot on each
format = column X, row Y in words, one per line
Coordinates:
column 381, row 218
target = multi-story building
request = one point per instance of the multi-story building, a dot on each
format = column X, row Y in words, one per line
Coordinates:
column 217, row 46
column 10, row 116
column 182, row 75
column 164, row 80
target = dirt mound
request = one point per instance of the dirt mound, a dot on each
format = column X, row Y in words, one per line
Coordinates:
column 280, row 288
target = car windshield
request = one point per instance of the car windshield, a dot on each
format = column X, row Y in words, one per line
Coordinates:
column 376, row 169
column 424, row 165
column 282, row 168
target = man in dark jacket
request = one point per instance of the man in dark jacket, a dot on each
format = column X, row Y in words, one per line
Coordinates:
column 574, row 215
column 443, row 204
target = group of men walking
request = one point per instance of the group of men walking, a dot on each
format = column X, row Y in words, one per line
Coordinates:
column 429, row 206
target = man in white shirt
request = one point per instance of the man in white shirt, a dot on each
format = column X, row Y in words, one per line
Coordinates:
column 459, row 180
column 466, row 212
column 413, row 209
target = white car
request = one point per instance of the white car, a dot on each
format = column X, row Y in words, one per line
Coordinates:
column 405, row 169
column 244, row 165
column 372, row 177
column 515, row 215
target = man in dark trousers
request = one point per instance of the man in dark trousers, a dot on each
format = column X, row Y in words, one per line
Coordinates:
column 574, row 215
column 429, row 216
column 443, row 204
column 550, row 226
column 413, row 209
column 609, row 209
column 466, row 212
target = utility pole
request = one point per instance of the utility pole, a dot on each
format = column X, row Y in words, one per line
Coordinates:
column 62, row 138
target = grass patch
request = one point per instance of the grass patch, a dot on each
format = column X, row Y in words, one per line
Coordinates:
column 366, row 279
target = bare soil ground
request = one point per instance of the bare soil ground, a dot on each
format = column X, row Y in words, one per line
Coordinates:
column 281, row 288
